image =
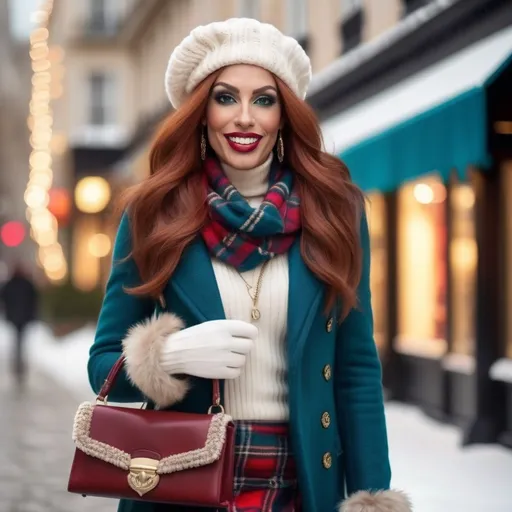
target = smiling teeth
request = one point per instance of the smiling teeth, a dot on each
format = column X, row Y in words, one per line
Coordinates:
column 243, row 140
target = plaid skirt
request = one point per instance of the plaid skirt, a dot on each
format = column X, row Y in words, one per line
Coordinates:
column 265, row 476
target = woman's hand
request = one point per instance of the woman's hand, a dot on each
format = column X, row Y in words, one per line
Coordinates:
column 216, row 349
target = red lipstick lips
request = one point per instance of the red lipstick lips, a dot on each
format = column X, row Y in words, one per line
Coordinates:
column 243, row 142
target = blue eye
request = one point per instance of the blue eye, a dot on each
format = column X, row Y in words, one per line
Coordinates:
column 266, row 101
column 224, row 99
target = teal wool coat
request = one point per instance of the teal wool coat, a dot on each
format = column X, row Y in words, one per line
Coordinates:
column 332, row 368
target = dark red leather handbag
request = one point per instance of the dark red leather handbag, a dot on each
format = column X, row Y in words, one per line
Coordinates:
column 151, row 455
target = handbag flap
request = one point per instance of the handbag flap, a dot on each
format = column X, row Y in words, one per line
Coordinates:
column 177, row 440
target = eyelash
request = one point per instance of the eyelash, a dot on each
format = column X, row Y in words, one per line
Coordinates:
column 271, row 100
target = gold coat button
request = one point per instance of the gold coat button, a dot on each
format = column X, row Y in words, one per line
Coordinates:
column 326, row 420
column 327, row 371
column 329, row 324
column 327, row 460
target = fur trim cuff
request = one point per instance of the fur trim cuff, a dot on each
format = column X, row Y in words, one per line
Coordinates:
column 382, row 501
column 141, row 348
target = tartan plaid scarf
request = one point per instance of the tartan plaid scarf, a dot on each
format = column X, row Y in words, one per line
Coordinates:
column 241, row 235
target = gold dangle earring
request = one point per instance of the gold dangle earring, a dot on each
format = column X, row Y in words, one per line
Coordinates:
column 203, row 145
column 280, row 148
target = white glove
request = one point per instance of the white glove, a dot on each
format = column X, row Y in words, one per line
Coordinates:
column 211, row 350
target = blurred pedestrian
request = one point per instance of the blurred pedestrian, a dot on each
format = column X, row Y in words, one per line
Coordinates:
column 255, row 243
column 19, row 297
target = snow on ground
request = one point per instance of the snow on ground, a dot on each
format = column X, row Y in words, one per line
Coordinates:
column 426, row 458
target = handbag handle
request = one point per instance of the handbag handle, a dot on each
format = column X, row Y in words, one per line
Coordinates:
column 114, row 372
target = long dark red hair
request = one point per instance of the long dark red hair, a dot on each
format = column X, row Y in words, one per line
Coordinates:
column 168, row 209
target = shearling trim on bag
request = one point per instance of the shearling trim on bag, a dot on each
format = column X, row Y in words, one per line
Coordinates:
column 207, row 454
column 141, row 348
column 381, row 501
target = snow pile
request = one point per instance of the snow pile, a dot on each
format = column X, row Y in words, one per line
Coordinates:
column 64, row 359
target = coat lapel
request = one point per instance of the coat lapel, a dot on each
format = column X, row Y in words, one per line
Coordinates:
column 195, row 285
column 305, row 295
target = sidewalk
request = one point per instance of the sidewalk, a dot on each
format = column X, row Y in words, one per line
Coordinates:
column 36, row 449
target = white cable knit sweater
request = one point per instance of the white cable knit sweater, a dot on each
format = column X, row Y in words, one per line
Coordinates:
column 261, row 392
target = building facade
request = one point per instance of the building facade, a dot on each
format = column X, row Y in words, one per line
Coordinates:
column 421, row 117
column 109, row 59
column 412, row 95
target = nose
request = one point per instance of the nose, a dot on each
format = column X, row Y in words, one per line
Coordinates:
column 245, row 118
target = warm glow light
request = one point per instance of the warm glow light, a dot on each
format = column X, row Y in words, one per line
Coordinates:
column 60, row 204
column 464, row 254
column 57, row 275
column 46, row 238
column 38, row 35
column 423, row 193
column 53, row 263
column 36, row 197
column 43, row 224
column 92, row 194
column 99, row 245
column 43, row 221
column 503, row 127
column 39, row 52
column 464, row 197
column 40, row 65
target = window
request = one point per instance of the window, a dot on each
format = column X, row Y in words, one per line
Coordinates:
column 463, row 260
column 350, row 7
column 102, row 17
column 413, row 5
column 102, row 99
column 98, row 15
column 507, row 193
column 352, row 21
column 297, row 17
column 249, row 9
column 378, row 277
column 422, row 273
column 297, row 20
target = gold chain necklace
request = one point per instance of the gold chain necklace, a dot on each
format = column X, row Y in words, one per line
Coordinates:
column 255, row 312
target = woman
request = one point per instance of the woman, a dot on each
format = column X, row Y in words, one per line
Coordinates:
column 255, row 243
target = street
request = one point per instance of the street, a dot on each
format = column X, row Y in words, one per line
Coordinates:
column 36, row 449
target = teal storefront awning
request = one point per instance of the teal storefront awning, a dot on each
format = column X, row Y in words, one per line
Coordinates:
column 435, row 121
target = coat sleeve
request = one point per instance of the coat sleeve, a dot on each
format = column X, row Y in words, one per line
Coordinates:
column 119, row 312
column 359, row 393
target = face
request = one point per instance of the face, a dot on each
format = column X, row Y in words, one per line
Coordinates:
column 243, row 116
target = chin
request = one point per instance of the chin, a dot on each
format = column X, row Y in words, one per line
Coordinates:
column 244, row 162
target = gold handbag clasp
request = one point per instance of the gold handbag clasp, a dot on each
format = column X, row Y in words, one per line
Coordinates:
column 143, row 476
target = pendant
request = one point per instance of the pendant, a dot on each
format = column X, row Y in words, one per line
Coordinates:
column 255, row 313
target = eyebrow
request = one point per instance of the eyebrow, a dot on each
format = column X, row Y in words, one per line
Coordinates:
column 237, row 91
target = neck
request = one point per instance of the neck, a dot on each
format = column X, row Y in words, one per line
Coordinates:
column 251, row 182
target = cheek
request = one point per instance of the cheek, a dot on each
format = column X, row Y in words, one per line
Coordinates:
column 215, row 117
column 271, row 122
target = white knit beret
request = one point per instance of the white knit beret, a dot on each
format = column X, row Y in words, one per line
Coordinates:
column 235, row 41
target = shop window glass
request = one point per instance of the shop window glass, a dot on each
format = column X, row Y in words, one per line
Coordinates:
column 463, row 261
column 86, row 266
column 422, row 268
column 378, row 276
column 507, row 193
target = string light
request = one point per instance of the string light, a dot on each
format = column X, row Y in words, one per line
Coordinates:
column 43, row 224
